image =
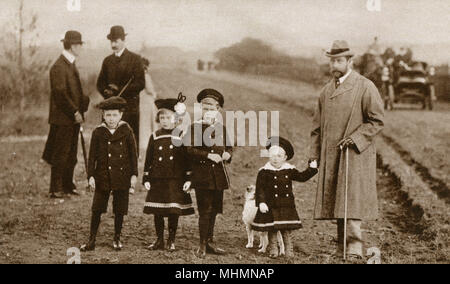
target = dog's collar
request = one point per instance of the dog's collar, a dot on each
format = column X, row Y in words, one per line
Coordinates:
column 285, row 166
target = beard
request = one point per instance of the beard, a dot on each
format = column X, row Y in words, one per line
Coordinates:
column 337, row 74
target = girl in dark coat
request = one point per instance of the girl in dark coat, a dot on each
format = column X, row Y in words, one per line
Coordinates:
column 166, row 174
column 274, row 195
column 112, row 167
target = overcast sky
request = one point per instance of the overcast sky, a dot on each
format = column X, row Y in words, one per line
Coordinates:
column 208, row 25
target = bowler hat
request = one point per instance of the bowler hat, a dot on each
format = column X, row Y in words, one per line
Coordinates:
column 116, row 32
column 211, row 93
column 73, row 37
column 339, row 48
column 112, row 103
column 283, row 143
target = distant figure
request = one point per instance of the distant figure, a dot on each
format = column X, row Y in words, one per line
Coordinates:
column 200, row 64
column 374, row 47
column 349, row 114
column 147, row 113
column 67, row 108
column 210, row 65
column 119, row 69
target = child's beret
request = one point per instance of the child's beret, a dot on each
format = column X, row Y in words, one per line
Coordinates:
column 112, row 103
column 283, row 143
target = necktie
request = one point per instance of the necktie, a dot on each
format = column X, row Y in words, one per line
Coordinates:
column 337, row 83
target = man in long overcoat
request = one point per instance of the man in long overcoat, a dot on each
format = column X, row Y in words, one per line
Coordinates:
column 349, row 114
column 67, row 107
column 119, row 69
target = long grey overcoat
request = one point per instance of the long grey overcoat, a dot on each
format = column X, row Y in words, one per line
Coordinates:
column 354, row 109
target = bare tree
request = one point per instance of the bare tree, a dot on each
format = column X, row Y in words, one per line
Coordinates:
column 21, row 64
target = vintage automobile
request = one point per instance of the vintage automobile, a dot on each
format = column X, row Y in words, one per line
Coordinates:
column 413, row 86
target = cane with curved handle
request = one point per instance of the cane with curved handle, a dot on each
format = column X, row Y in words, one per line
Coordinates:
column 345, row 203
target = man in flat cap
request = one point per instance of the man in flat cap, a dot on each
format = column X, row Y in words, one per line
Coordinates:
column 67, row 106
column 349, row 114
column 123, row 70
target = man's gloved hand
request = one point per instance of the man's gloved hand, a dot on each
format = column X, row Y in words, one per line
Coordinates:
column 111, row 90
column 346, row 143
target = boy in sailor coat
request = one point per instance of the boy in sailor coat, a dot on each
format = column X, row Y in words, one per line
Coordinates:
column 209, row 149
column 112, row 167
column 274, row 195
column 166, row 174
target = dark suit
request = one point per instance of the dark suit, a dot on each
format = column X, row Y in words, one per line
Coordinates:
column 118, row 71
column 66, row 99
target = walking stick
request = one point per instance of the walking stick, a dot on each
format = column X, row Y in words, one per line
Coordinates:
column 83, row 146
column 125, row 87
column 345, row 203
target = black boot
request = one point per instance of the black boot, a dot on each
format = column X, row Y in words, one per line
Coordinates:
column 159, row 228
column 95, row 223
column 118, row 221
column 210, row 248
column 173, row 225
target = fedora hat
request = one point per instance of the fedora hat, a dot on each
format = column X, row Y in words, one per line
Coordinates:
column 116, row 32
column 73, row 37
column 339, row 48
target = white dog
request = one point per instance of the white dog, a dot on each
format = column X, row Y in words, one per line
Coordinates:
column 248, row 216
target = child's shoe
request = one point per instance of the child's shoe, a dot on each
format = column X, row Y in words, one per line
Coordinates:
column 90, row 246
column 171, row 245
column 117, row 244
column 157, row 245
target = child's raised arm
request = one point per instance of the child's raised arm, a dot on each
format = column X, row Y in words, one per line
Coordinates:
column 303, row 176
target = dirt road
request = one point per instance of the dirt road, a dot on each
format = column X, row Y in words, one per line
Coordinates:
column 38, row 230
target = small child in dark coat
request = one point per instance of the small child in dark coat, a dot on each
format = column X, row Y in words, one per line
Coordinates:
column 112, row 166
column 274, row 195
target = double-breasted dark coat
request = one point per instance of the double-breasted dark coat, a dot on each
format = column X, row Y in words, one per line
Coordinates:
column 118, row 71
column 207, row 174
column 112, row 158
column 274, row 187
column 166, row 169
column 354, row 110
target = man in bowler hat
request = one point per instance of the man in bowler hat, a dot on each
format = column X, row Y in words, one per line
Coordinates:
column 67, row 108
column 122, row 70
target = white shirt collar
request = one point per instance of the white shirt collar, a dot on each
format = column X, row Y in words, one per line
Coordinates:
column 69, row 56
column 285, row 166
column 119, row 54
column 342, row 79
